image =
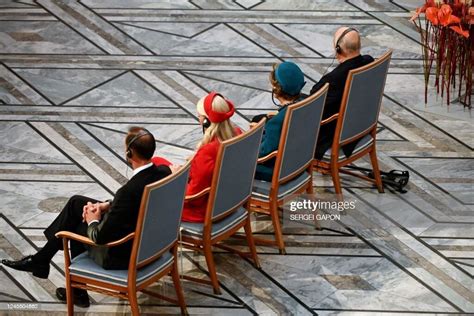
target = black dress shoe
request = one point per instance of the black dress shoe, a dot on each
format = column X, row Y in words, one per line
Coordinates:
column 40, row 270
column 81, row 298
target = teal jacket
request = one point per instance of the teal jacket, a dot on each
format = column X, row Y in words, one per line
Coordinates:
column 270, row 142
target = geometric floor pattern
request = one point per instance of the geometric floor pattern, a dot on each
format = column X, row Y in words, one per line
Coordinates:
column 75, row 74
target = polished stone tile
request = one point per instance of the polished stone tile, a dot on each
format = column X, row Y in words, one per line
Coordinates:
column 56, row 38
column 126, row 90
column 60, row 85
column 220, row 40
column 74, row 76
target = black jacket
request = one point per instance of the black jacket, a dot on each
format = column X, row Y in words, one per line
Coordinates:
column 121, row 219
column 337, row 81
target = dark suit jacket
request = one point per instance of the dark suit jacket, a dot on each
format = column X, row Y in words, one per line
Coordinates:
column 121, row 219
column 337, row 81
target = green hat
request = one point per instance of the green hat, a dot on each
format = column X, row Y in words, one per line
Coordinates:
column 290, row 77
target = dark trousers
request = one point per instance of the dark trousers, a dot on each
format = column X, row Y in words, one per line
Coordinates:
column 70, row 219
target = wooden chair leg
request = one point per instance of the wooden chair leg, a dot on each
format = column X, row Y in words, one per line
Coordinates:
column 133, row 300
column 69, row 299
column 211, row 267
column 336, row 179
column 309, row 188
column 277, row 227
column 375, row 168
column 178, row 288
column 251, row 242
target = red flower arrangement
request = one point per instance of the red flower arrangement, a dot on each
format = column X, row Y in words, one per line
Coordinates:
column 447, row 38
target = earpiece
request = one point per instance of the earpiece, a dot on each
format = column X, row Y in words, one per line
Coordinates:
column 339, row 48
column 273, row 99
column 205, row 124
column 142, row 133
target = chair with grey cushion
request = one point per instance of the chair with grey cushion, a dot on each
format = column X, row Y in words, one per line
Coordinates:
column 226, row 211
column 292, row 171
column 357, row 122
column 154, row 251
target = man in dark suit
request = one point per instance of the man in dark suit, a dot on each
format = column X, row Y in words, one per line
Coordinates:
column 347, row 47
column 102, row 222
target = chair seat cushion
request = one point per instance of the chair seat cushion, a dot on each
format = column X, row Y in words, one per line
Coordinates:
column 261, row 189
column 84, row 266
column 363, row 143
column 195, row 230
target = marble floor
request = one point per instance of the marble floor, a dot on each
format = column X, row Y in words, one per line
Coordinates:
column 75, row 74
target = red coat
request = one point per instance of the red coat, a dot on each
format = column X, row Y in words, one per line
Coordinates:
column 157, row 161
column 200, row 177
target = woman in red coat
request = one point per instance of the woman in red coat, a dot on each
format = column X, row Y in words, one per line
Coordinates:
column 214, row 115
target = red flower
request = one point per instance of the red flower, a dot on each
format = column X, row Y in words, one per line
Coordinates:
column 460, row 31
column 442, row 16
column 446, row 31
column 432, row 15
column 428, row 4
column 445, row 17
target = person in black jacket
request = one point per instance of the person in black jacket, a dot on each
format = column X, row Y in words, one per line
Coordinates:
column 347, row 50
column 102, row 222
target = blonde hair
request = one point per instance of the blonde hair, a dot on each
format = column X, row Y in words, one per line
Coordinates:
column 223, row 130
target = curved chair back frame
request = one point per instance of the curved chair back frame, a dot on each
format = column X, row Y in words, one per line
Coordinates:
column 361, row 106
column 223, row 199
column 357, row 118
column 310, row 119
column 230, row 189
column 148, row 223
column 294, row 156
column 142, row 253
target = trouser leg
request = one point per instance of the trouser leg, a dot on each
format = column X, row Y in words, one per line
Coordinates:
column 70, row 219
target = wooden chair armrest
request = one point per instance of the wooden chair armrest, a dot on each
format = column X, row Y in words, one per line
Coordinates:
column 272, row 114
column 267, row 157
column 197, row 195
column 88, row 241
column 330, row 119
column 76, row 237
column 121, row 240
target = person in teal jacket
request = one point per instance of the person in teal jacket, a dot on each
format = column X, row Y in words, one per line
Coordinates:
column 287, row 80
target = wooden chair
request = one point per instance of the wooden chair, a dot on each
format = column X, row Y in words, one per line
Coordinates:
column 154, row 250
column 293, row 167
column 228, row 194
column 357, row 121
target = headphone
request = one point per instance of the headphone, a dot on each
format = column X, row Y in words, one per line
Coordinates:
column 205, row 123
column 339, row 48
column 142, row 133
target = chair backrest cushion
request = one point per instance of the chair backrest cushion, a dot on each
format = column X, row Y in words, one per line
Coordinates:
column 162, row 214
column 298, row 137
column 364, row 98
column 236, row 170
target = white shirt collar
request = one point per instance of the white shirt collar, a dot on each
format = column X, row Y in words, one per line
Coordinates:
column 136, row 171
